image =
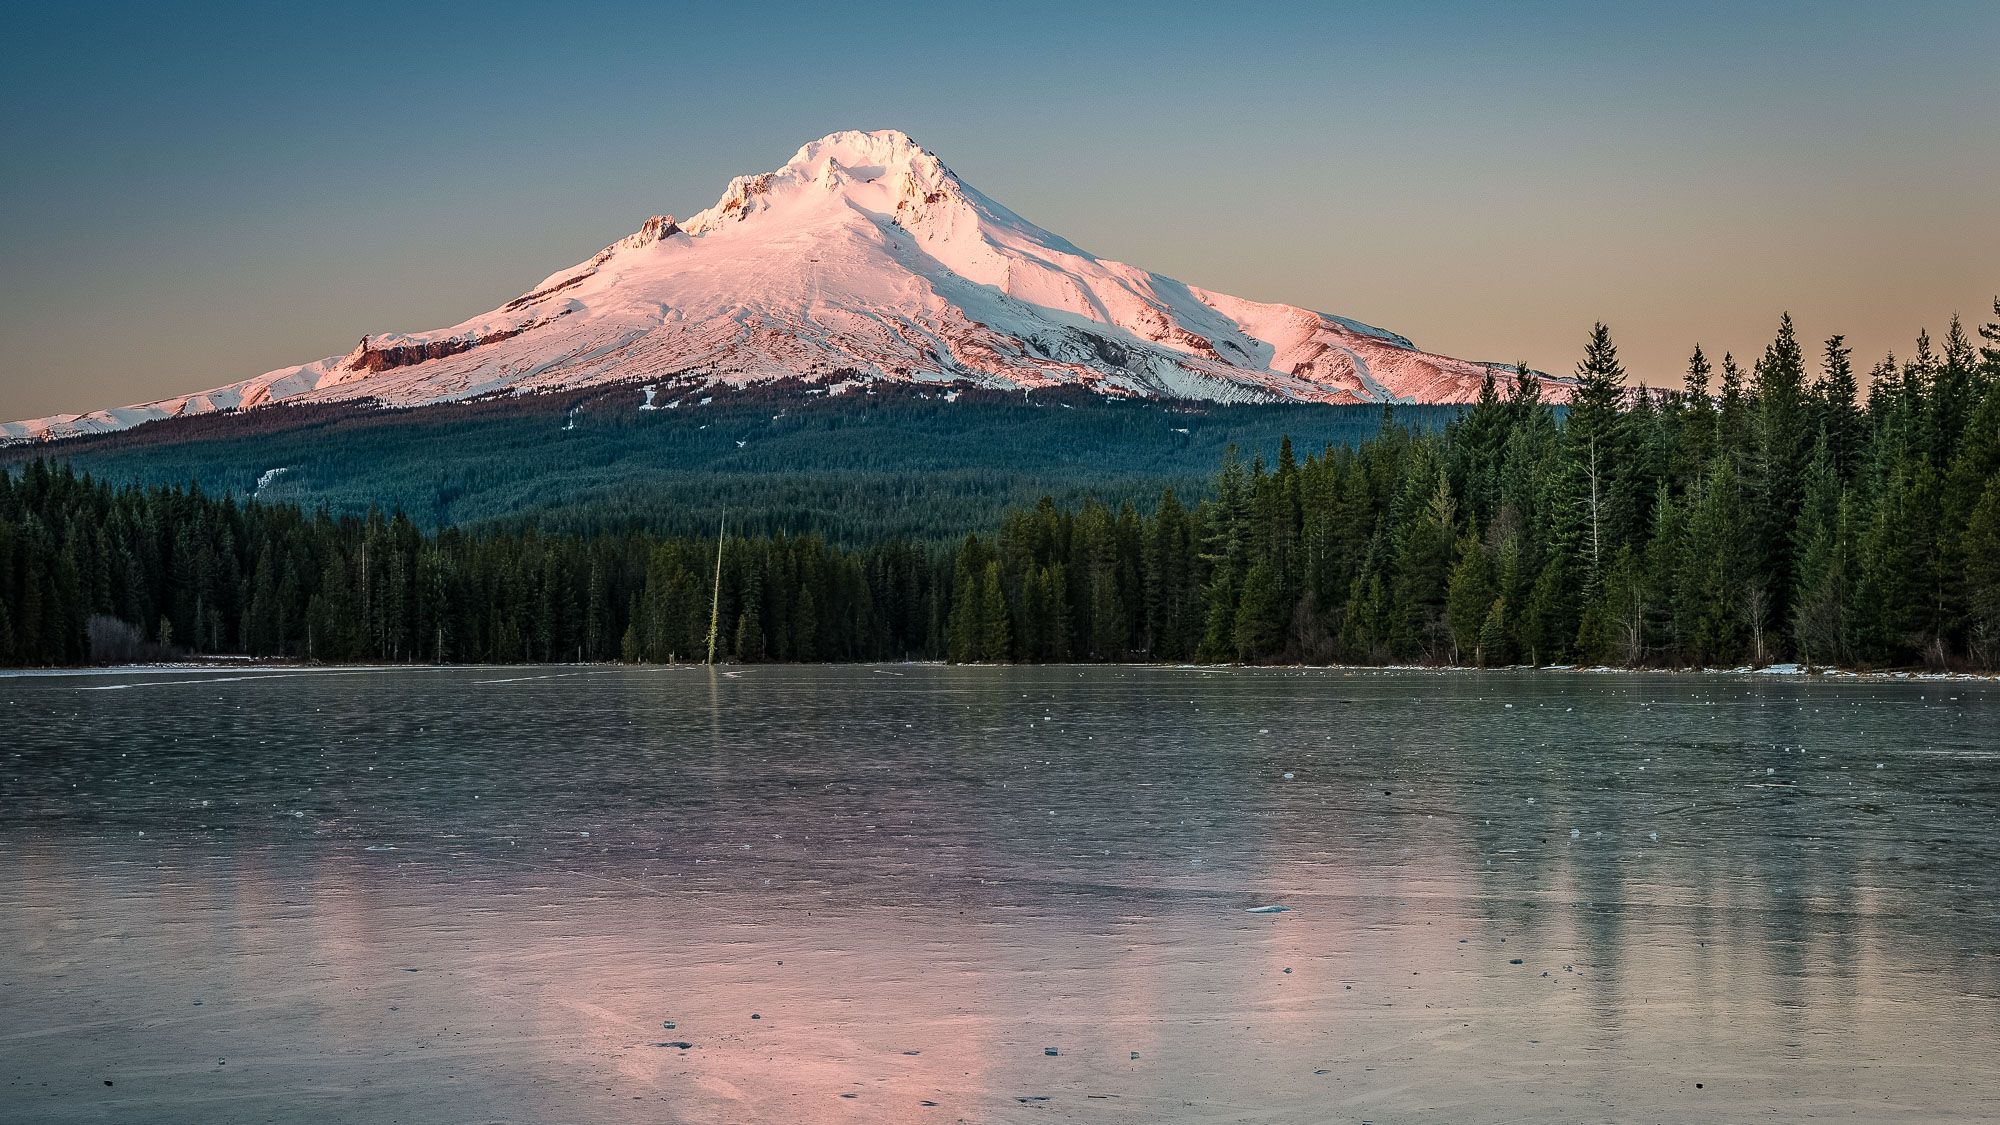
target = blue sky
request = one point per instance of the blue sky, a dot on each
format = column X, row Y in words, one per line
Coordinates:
column 193, row 194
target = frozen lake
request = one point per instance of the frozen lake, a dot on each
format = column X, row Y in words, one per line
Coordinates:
column 881, row 894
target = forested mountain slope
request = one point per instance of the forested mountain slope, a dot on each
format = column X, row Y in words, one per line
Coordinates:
column 895, row 462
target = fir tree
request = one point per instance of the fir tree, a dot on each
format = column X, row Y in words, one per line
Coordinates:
column 1494, row 645
column 1469, row 601
column 995, row 631
column 1838, row 401
column 1781, row 437
column 1981, row 557
column 1257, row 627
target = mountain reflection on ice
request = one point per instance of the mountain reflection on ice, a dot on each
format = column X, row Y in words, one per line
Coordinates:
column 482, row 894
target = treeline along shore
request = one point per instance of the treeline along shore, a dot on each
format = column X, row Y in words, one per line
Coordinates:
column 1773, row 514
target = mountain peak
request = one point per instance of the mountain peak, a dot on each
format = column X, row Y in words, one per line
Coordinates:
column 864, row 155
column 882, row 172
column 861, row 259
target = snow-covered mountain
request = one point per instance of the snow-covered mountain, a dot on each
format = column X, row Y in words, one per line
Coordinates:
column 863, row 258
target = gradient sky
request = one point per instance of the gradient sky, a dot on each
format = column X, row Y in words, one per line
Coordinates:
column 194, row 194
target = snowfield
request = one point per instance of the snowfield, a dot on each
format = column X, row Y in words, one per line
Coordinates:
column 862, row 259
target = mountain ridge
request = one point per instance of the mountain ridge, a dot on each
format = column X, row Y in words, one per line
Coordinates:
column 863, row 258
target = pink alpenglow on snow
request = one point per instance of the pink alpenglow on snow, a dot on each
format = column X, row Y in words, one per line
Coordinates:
column 862, row 259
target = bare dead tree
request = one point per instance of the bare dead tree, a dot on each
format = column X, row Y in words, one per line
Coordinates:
column 1596, row 541
column 1756, row 608
column 1632, row 626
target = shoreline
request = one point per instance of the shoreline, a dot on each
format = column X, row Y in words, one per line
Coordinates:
column 1784, row 671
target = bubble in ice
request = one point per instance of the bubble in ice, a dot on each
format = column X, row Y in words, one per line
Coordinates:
column 1288, row 775
column 1272, row 909
column 1575, row 833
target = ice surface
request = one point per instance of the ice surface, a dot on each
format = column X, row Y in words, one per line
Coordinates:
column 834, row 850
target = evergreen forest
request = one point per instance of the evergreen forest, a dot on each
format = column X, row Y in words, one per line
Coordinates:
column 1793, row 510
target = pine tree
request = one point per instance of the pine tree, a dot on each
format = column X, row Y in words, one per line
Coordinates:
column 1732, row 420
column 1896, row 598
column 805, row 627
column 1257, row 630
column 1782, row 437
column 1600, row 390
column 1218, row 638
column 966, row 632
column 1989, row 351
column 1955, row 390
column 1698, row 372
column 1614, row 626
column 1838, row 401
column 1666, row 547
column 1368, row 627
column 1716, row 581
column 1423, row 563
column 750, row 639
column 1544, row 624
column 1469, row 601
column 1981, row 555
column 995, row 634
column 1821, row 623
column 1494, row 644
